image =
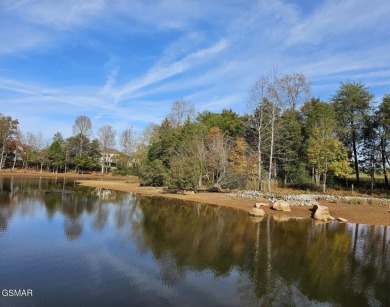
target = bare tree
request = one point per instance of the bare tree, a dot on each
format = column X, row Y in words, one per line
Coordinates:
column 181, row 110
column 41, row 146
column 293, row 90
column 284, row 93
column 256, row 99
column 106, row 140
column 29, row 141
column 218, row 147
column 82, row 129
column 128, row 142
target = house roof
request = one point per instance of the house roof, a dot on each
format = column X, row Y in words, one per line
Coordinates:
column 110, row 151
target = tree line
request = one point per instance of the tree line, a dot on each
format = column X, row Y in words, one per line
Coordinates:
column 288, row 137
column 79, row 153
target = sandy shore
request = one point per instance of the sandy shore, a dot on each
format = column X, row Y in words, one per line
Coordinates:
column 376, row 214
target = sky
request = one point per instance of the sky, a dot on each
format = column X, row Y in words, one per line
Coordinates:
column 125, row 62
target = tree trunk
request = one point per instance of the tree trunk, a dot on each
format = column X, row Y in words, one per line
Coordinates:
column 383, row 154
column 271, row 149
column 313, row 176
column 2, row 155
column 259, row 161
column 16, row 156
column 81, row 145
column 355, row 156
column 324, row 178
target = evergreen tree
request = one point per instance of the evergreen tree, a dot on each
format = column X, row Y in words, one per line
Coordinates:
column 352, row 102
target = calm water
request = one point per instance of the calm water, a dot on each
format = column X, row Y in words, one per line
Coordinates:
column 77, row 246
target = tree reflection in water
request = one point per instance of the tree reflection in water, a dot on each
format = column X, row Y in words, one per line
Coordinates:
column 270, row 261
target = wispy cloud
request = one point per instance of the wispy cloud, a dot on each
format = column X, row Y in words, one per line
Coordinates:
column 162, row 72
column 125, row 62
column 338, row 18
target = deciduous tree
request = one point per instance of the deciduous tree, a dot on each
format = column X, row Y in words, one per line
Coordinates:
column 82, row 129
column 181, row 110
column 106, row 140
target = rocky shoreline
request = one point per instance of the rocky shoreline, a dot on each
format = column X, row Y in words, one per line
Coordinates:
column 310, row 199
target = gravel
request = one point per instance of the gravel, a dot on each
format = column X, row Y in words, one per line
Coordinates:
column 306, row 199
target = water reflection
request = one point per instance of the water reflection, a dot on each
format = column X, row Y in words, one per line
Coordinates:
column 172, row 253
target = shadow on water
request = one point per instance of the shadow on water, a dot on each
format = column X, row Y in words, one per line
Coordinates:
column 200, row 254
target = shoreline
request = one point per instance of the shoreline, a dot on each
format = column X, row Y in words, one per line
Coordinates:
column 369, row 214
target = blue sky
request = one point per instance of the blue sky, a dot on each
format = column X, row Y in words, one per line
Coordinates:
column 124, row 63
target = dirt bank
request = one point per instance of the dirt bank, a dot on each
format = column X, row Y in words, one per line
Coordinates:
column 372, row 214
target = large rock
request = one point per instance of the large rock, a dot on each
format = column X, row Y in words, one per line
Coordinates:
column 321, row 213
column 256, row 212
column 281, row 206
column 259, row 205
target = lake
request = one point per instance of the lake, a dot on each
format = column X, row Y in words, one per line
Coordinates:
column 80, row 246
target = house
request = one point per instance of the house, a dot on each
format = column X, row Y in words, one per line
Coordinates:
column 109, row 157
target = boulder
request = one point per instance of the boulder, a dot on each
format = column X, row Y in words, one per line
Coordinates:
column 281, row 206
column 321, row 213
column 259, row 205
column 256, row 212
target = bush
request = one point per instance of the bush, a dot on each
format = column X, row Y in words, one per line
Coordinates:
column 184, row 173
column 153, row 173
column 233, row 180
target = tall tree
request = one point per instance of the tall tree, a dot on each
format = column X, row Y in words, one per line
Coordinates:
column 106, row 140
column 352, row 102
column 321, row 116
column 41, row 150
column 284, row 93
column 8, row 128
column 57, row 153
column 290, row 148
column 82, row 129
column 325, row 152
column 271, row 96
column 383, row 117
column 257, row 97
